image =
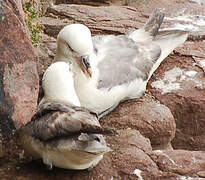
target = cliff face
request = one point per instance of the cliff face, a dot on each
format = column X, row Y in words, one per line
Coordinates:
column 170, row 114
column 18, row 73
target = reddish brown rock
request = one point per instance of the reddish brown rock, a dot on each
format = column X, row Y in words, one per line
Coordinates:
column 152, row 119
column 45, row 53
column 85, row 2
column 182, row 87
column 19, row 78
column 37, row 5
column 132, row 156
column 182, row 106
column 129, row 152
column 101, row 20
column 189, row 163
column 179, row 84
column 99, row 2
column 118, row 19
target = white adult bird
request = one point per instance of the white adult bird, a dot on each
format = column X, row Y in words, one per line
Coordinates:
column 61, row 133
column 109, row 69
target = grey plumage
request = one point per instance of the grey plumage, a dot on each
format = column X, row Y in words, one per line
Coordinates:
column 125, row 56
column 130, row 59
column 124, row 59
column 57, row 120
column 154, row 22
column 121, row 65
column 65, row 136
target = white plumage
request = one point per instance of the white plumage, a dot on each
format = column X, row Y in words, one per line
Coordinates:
column 121, row 65
column 61, row 133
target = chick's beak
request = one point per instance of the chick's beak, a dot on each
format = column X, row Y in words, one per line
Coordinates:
column 84, row 65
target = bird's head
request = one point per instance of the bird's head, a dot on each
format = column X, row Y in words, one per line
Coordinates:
column 74, row 45
column 58, row 84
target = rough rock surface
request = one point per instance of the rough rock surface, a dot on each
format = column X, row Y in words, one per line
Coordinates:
column 118, row 20
column 152, row 119
column 191, row 163
column 85, row 2
column 144, row 126
column 18, row 74
column 100, row 2
column 122, row 19
column 132, row 158
column 101, row 20
column 180, row 86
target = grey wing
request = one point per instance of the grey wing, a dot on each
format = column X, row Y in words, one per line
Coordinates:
column 60, row 120
column 100, row 40
column 122, row 60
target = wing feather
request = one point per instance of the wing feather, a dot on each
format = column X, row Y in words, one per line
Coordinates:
column 122, row 60
column 54, row 120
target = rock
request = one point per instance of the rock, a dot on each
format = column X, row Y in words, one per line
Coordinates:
column 189, row 163
column 177, row 13
column 18, row 74
column 101, row 20
column 37, row 5
column 85, row 2
column 129, row 151
column 179, row 84
column 45, row 53
column 152, row 119
column 179, row 81
column 142, row 125
column 131, row 157
column 99, row 2
column 1, row 148
column 118, row 19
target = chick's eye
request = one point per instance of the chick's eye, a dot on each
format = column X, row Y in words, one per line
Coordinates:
column 97, row 139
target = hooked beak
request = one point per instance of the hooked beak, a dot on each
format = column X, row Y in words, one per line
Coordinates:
column 84, row 65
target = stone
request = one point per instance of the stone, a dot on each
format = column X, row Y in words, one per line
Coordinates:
column 18, row 74
column 142, row 148
column 179, row 84
column 179, row 81
column 85, row 2
column 45, row 52
column 99, row 2
column 122, row 19
column 190, row 163
column 130, row 147
column 38, row 5
column 187, row 19
column 152, row 119
column 131, row 156
column 101, row 20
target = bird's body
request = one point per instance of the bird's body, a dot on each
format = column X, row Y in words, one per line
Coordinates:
column 121, row 65
column 128, row 79
column 64, row 136
column 61, row 133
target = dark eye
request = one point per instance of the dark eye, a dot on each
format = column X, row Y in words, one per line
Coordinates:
column 70, row 47
column 97, row 139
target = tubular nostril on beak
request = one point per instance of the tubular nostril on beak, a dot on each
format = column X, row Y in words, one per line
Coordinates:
column 84, row 59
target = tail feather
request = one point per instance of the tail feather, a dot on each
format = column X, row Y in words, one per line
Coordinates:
column 154, row 22
column 150, row 29
column 168, row 41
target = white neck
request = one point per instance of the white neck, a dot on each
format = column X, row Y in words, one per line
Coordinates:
column 58, row 84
